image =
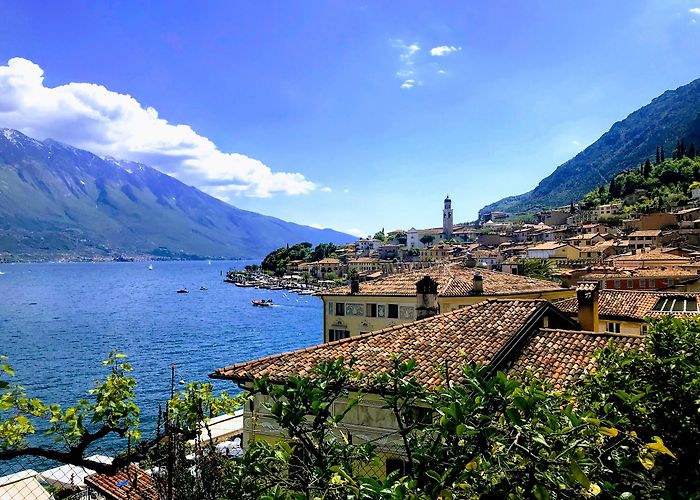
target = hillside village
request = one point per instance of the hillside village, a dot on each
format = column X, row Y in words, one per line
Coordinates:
column 650, row 251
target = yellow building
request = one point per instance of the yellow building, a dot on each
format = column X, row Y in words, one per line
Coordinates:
column 553, row 250
column 372, row 305
column 505, row 334
column 622, row 311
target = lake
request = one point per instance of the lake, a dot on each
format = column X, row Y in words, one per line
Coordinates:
column 58, row 321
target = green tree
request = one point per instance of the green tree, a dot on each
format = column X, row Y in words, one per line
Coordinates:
column 656, row 392
column 539, row 268
column 427, row 239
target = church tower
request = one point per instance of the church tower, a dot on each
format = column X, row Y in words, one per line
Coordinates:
column 447, row 222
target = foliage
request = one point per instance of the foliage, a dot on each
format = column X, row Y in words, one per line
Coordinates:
column 539, row 268
column 380, row 235
column 650, row 188
column 656, row 391
column 109, row 408
column 427, row 239
column 628, row 431
column 276, row 262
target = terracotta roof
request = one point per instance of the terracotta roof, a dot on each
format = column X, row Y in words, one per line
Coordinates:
column 565, row 356
column 649, row 232
column 454, row 280
column 131, row 483
column 640, row 273
column 550, row 245
column 655, row 254
column 625, row 304
column 472, row 334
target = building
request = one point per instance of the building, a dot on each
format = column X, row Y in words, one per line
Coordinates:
column 503, row 334
column 655, row 258
column 619, row 311
column 372, row 305
column 553, row 250
column 447, row 219
column 586, row 239
column 650, row 238
column 644, row 279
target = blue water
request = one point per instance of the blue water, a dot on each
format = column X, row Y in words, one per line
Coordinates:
column 58, row 321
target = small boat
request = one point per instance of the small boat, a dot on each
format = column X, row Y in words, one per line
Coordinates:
column 150, row 267
column 245, row 285
column 203, row 288
column 266, row 303
column 183, row 290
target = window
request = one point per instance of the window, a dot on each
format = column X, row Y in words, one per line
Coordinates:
column 678, row 304
column 652, row 283
column 337, row 335
column 613, row 327
column 393, row 311
column 642, row 283
column 340, row 309
column 371, row 310
column 644, row 329
column 630, row 284
column 617, row 284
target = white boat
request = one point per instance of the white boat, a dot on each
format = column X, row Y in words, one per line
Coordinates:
column 150, row 267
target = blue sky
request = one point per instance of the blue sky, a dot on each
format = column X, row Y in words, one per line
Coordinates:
column 342, row 114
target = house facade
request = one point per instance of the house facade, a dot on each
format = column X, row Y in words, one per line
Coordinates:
column 364, row 307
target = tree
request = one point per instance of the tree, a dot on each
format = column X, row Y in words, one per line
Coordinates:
column 658, row 156
column 108, row 410
column 662, row 154
column 539, row 268
column 379, row 235
column 656, row 391
column 646, row 169
column 427, row 239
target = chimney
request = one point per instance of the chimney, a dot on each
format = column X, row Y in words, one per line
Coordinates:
column 354, row 283
column 426, row 298
column 587, row 296
column 478, row 284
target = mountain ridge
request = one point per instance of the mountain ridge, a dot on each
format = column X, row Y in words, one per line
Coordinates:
column 669, row 116
column 65, row 203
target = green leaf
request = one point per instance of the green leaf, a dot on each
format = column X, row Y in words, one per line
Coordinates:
column 541, row 492
column 579, row 475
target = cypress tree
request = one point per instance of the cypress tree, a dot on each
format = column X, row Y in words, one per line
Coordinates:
column 572, row 209
column 658, row 156
column 646, row 170
column 663, row 158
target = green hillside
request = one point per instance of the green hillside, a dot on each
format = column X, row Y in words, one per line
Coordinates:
column 662, row 122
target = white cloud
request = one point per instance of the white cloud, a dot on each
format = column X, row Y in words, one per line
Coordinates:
column 406, row 60
column 346, row 191
column 92, row 117
column 317, row 226
column 326, row 189
column 442, row 72
column 443, row 50
column 355, row 232
column 695, row 11
column 407, row 84
column 576, row 143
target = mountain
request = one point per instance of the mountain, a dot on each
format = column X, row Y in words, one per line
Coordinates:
column 59, row 202
column 629, row 142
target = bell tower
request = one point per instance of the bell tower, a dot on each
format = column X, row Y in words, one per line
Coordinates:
column 447, row 222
